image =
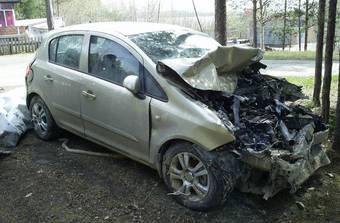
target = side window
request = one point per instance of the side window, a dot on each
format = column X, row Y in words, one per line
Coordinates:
column 111, row 61
column 152, row 88
column 52, row 50
column 68, row 50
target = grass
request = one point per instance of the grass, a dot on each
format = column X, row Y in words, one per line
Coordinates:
column 294, row 55
column 307, row 84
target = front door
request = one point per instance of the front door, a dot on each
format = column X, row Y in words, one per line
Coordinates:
column 112, row 114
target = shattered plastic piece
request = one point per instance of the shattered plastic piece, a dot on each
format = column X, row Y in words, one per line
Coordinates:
column 300, row 205
column 14, row 118
column 279, row 143
column 330, row 175
column 28, row 195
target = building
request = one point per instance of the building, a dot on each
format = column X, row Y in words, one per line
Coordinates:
column 38, row 27
column 7, row 16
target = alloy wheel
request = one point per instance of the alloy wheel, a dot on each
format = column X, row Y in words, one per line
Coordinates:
column 39, row 118
column 189, row 176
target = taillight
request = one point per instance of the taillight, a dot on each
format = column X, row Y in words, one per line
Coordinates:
column 28, row 71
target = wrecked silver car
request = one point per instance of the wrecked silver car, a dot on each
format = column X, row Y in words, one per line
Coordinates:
column 201, row 114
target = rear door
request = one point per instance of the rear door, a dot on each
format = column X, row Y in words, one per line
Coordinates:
column 112, row 114
column 61, row 78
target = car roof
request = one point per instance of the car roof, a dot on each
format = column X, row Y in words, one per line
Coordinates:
column 124, row 28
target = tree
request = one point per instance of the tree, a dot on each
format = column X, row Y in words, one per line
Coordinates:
column 30, row 9
column 220, row 21
column 69, row 10
column 306, row 24
column 264, row 17
column 336, row 142
column 319, row 53
column 254, row 23
column 284, row 26
column 328, row 59
column 49, row 14
column 299, row 24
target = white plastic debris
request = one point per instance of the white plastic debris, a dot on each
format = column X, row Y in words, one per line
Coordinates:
column 14, row 118
column 28, row 195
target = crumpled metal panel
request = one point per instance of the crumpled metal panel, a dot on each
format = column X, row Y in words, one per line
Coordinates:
column 217, row 70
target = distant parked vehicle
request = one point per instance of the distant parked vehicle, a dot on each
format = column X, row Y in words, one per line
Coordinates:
column 239, row 42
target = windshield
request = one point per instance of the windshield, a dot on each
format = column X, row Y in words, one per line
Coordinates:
column 168, row 44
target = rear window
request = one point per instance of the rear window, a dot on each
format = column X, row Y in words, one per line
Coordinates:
column 66, row 50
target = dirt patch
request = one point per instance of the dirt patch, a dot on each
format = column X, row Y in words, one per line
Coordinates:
column 41, row 182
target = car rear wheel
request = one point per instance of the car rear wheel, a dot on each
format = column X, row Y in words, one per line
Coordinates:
column 42, row 120
column 191, row 180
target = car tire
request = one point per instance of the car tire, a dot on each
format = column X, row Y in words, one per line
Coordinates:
column 213, row 188
column 43, row 122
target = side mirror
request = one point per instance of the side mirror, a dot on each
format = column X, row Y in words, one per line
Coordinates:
column 131, row 83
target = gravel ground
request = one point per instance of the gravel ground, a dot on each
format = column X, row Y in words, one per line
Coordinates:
column 41, row 182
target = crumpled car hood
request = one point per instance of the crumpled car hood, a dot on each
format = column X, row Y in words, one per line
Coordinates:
column 272, row 134
column 217, row 69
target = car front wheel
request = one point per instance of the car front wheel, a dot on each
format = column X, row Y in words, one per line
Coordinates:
column 191, row 179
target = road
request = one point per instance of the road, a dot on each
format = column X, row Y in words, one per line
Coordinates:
column 13, row 67
column 293, row 67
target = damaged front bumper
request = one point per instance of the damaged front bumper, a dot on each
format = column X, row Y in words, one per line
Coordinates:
column 282, row 168
column 279, row 142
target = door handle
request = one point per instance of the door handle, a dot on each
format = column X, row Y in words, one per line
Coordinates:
column 89, row 94
column 48, row 78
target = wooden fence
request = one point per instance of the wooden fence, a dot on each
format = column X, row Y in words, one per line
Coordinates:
column 19, row 44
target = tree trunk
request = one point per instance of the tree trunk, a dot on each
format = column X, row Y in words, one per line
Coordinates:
column 220, row 21
column 284, row 27
column 58, row 8
column 319, row 53
column 254, row 23
column 159, row 10
column 336, row 142
column 49, row 14
column 306, row 25
column 327, row 79
column 261, row 25
column 299, row 24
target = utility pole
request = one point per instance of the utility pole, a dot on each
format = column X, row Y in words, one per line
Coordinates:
column 196, row 14
column 49, row 14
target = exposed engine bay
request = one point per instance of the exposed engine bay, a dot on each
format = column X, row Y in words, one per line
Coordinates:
column 279, row 141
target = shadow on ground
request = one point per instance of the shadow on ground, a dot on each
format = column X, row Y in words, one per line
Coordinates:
column 41, row 182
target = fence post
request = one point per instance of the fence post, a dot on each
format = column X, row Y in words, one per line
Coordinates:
column 10, row 46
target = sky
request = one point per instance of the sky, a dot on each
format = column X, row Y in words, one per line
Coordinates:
column 185, row 5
